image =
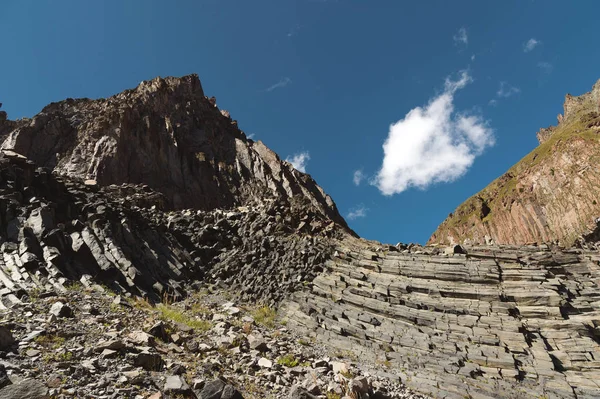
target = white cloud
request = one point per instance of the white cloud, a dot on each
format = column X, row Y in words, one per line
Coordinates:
column 358, row 177
column 461, row 36
column 530, row 45
column 358, row 212
column 545, row 67
column 507, row 90
column 473, row 57
column 282, row 83
column 299, row 161
column 250, row 136
column 432, row 144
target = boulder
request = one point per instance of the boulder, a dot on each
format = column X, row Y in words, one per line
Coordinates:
column 26, row 389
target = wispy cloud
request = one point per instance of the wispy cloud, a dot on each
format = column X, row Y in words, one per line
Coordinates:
column 358, row 177
column 282, row 83
column 545, row 67
column 358, row 212
column 432, row 144
column 299, row 161
column 461, row 37
column 250, row 136
column 294, row 31
column 530, row 45
column 507, row 90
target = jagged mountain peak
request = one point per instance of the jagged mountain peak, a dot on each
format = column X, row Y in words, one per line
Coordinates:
column 167, row 134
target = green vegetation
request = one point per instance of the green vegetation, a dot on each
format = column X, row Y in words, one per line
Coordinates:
column 344, row 354
column 332, row 395
column 503, row 191
column 288, row 361
column 170, row 313
column 265, row 316
column 74, row 286
column 50, row 341
column 347, row 373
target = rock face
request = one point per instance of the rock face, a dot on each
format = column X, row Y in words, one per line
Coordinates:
column 55, row 230
column 455, row 322
column 166, row 134
column 498, row 321
column 553, row 194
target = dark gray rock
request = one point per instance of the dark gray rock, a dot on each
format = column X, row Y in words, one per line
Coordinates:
column 297, row 392
column 26, row 389
column 229, row 392
column 60, row 309
column 149, row 361
column 212, row 390
column 4, row 380
column 6, row 339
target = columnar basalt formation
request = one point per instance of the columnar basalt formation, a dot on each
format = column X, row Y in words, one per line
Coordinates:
column 496, row 321
column 553, row 194
column 55, row 230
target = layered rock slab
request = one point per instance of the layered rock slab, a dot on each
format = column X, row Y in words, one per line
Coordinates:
column 496, row 322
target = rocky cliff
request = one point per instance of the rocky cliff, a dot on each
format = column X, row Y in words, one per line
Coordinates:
column 166, row 134
column 550, row 195
column 109, row 289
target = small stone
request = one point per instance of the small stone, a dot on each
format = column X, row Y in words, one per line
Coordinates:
column 297, row 392
column 212, row 390
column 149, row 361
column 109, row 354
column 4, row 380
column 6, row 338
column 257, row 342
column 60, row 309
column 265, row 363
column 32, row 352
column 141, row 338
column 198, row 383
column 339, row 367
column 176, row 385
column 159, row 331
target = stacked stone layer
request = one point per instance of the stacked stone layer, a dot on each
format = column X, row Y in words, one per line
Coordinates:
column 495, row 322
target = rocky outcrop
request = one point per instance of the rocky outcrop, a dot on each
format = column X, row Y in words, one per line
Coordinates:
column 166, row 134
column 553, row 194
column 453, row 322
column 55, row 230
column 477, row 322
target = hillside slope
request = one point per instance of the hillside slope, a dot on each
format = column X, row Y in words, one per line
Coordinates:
column 552, row 194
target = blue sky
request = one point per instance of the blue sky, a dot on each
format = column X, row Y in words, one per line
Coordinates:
column 329, row 78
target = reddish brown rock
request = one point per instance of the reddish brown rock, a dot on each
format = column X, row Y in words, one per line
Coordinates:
column 552, row 194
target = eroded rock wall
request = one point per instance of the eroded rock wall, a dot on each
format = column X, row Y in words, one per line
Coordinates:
column 498, row 321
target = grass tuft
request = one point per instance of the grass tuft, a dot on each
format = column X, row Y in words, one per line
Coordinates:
column 169, row 313
column 265, row 316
